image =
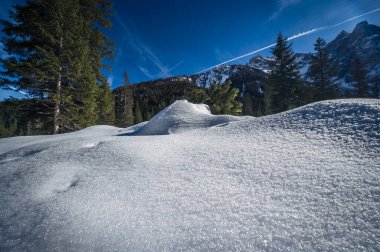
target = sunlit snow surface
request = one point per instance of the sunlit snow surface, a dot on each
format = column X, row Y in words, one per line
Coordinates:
column 304, row 180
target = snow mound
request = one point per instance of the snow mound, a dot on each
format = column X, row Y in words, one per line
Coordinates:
column 358, row 118
column 302, row 180
column 183, row 116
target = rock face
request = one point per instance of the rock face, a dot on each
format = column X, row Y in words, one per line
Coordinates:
column 222, row 73
column 363, row 42
column 261, row 63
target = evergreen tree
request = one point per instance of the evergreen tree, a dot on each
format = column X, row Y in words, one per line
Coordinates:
column 284, row 86
column 223, row 99
column 56, row 54
column 358, row 79
column 106, row 113
column 375, row 88
column 322, row 72
column 248, row 104
column 124, row 104
column 197, row 95
column 128, row 103
column 138, row 113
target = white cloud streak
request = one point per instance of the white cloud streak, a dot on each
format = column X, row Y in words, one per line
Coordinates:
column 283, row 4
column 146, row 72
column 160, row 74
column 294, row 37
column 353, row 18
column 146, row 53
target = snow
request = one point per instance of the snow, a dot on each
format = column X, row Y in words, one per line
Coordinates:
column 182, row 116
column 261, row 63
column 217, row 75
column 303, row 180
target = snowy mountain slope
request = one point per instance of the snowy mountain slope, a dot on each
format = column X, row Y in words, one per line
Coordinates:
column 363, row 42
column 260, row 62
column 252, row 71
column 222, row 73
column 303, row 180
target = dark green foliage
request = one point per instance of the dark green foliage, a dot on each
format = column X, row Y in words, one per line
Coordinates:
column 8, row 120
column 56, row 49
column 105, row 104
column 197, row 95
column 250, row 83
column 129, row 117
column 138, row 113
column 222, row 99
column 148, row 98
column 284, row 87
column 124, row 107
column 358, row 79
column 24, row 117
column 375, row 88
column 248, row 106
column 322, row 72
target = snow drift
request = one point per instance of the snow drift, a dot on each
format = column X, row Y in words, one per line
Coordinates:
column 183, row 116
column 303, row 180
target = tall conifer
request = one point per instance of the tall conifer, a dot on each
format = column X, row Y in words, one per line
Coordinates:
column 322, row 73
column 358, row 79
column 56, row 49
column 283, row 89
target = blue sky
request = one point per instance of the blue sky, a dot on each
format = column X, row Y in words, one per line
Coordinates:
column 161, row 38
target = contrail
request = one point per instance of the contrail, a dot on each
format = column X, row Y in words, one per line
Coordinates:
column 293, row 37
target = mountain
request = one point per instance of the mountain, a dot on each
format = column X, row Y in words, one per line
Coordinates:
column 261, row 63
column 240, row 75
column 364, row 42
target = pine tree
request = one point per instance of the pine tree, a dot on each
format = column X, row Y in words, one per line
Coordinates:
column 124, row 104
column 223, row 99
column 248, row 104
column 128, row 103
column 284, row 86
column 322, row 72
column 56, row 56
column 358, row 79
column 197, row 95
column 138, row 114
column 106, row 112
column 375, row 88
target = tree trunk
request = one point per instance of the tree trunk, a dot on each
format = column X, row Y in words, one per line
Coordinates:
column 57, row 105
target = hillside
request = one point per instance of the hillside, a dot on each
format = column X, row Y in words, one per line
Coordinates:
column 303, row 180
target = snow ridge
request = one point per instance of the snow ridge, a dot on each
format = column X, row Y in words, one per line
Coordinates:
column 182, row 116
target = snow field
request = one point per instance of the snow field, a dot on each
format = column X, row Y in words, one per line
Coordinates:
column 303, row 180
